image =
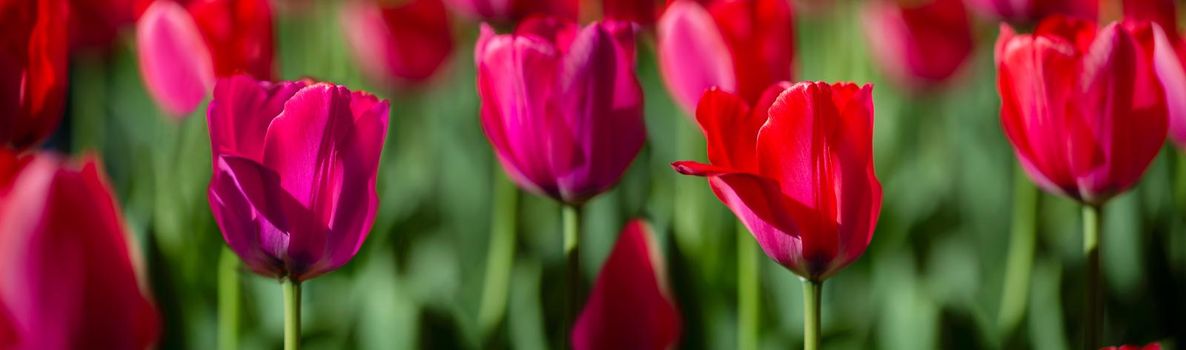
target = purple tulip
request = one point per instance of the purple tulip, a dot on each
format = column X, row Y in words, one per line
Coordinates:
column 294, row 172
column 561, row 106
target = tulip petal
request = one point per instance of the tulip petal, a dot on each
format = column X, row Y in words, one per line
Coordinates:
column 730, row 130
column 253, row 211
column 630, row 306
column 692, row 53
column 174, row 61
column 760, row 37
column 1168, row 63
column 241, row 111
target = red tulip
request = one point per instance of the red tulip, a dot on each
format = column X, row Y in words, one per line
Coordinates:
column 920, row 44
column 643, row 12
column 631, row 306
column 797, row 170
column 70, row 280
column 1082, row 107
column 182, row 51
column 402, row 43
column 514, row 10
column 1030, row 11
column 740, row 46
column 32, row 69
column 97, row 23
column 561, row 106
column 1150, row 346
column 294, row 172
column 1169, row 59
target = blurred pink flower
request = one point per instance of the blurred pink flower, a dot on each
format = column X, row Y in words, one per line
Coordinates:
column 631, row 306
column 1081, row 105
column 920, row 44
column 33, row 50
column 182, row 51
column 796, row 169
column 69, row 273
column 561, row 105
column 405, row 43
column 295, row 165
column 1150, row 346
column 738, row 46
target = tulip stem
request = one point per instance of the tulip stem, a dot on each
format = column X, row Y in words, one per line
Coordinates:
column 228, row 300
column 1093, row 317
column 1021, row 254
column 748, row 313
column 811, row 313
column 572, row 253
column 501, row 254
column 292, row 314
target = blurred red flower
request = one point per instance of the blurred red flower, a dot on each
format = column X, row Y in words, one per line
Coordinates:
column 1031, row 11
column 643, row 12
column 404, row 43
column 514, row 10
column 631, row 306
column 1082, row 106
column 1169, row 58
column 183, row 50
column 69, row 272
column 920, row 44
column 796, row 169
column 740, row 46
column 1150, row 346
column 33, row 52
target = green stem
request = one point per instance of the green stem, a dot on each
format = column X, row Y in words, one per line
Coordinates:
column 501, row 254
column 572, row 254
column 228, row 300
column 292, row 314
column 1093, row 317
column 811, row 314
column 748, row 312
column 1021, row 253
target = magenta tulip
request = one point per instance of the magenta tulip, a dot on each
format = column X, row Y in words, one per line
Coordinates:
column 631, row 306
column 1082, row 106
column 797, row 170
column 738, row 46
column 294, row 172
column 560, row 105
column 70, row 280
column 920, row 44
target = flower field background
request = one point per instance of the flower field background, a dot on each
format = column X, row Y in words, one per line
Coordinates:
column 934, row 277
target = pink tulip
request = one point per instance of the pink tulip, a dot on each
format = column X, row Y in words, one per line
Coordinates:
column 33, row 50
column 406, row 43
column 920, row 44
column 69, row 275
column 738, row 46
column 631, row 306
column 294, row 172
column 1082, row 106
column 796, row 169
column 182, row 51
column 1169, row 59
column 560, row 105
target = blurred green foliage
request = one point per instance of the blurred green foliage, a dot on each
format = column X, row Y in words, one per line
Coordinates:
column 932, row 278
